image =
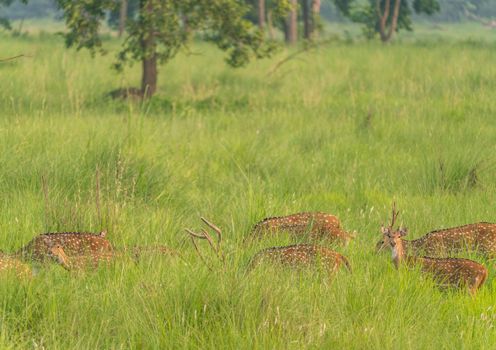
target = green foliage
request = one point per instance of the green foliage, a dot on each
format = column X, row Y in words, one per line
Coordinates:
column 132, row 10
column 278, row 8
column 5, row 24
column 84, row 19
column 162, row 28
column 428, row 7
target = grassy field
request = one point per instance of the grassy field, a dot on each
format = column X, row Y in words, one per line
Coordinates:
column 346, row 129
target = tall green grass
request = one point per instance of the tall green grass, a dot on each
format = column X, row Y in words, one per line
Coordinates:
column 346, row 129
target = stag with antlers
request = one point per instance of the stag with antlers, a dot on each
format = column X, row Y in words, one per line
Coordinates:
column 478, row 237
column 447, row 272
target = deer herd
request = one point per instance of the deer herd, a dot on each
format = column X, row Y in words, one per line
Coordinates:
column 431, row 253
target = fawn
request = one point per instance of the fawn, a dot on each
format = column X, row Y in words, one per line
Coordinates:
column 447, row 272
column 300, row 255
column 478, row 237
column 73, row 243
column 318, row 225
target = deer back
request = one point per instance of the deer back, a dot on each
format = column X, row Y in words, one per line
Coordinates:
column 73, row 243
column 453, row 272
column 300, row 255
column 316, row 224
column 478, row 237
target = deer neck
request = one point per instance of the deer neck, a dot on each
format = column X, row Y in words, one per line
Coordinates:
column 398, row 253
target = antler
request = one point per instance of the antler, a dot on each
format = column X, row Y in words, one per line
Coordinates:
column 203, row 234
column 193, row 236
column 395, row 214
column 216, row 229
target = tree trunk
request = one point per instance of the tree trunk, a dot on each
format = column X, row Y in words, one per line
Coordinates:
column 149, row 47
column 387, row 33
column 293, row 23
column 122, row 17
column 307, row 27
column 270, row 25
column 315, row 17
column 186, row 25
column 394, row 21
column 383, row 17
column 149, row 79
column 261, row 14
column 285, row 27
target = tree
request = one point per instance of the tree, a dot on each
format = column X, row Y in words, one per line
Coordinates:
column 292, row 23
column 311, row 12
column 315, row 17
column 122, row 17
column 261, row 14
column 158, row 31
column 385, row 17
column 4, row 22
column 459, row 10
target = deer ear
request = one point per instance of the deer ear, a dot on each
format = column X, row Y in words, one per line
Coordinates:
column 383, row 230
column 403, row 231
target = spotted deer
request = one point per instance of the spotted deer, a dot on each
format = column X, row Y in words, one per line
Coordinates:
column 317, row 225
column 73, row 243
column 301, row 255
column 87, row 261
column 446, row 272
column 478, row 237
column 11, row 264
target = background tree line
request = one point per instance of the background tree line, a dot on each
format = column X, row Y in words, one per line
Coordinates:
column 156, row 30
column 450, row 10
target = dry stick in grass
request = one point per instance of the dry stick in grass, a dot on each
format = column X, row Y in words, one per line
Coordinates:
column 13, row 58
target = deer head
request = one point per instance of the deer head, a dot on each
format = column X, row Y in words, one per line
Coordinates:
column 58, row 254
column 387, row 231
column 391, row 237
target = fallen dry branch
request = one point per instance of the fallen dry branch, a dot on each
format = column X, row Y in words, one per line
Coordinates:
column 308, row 47
column 13, row 58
